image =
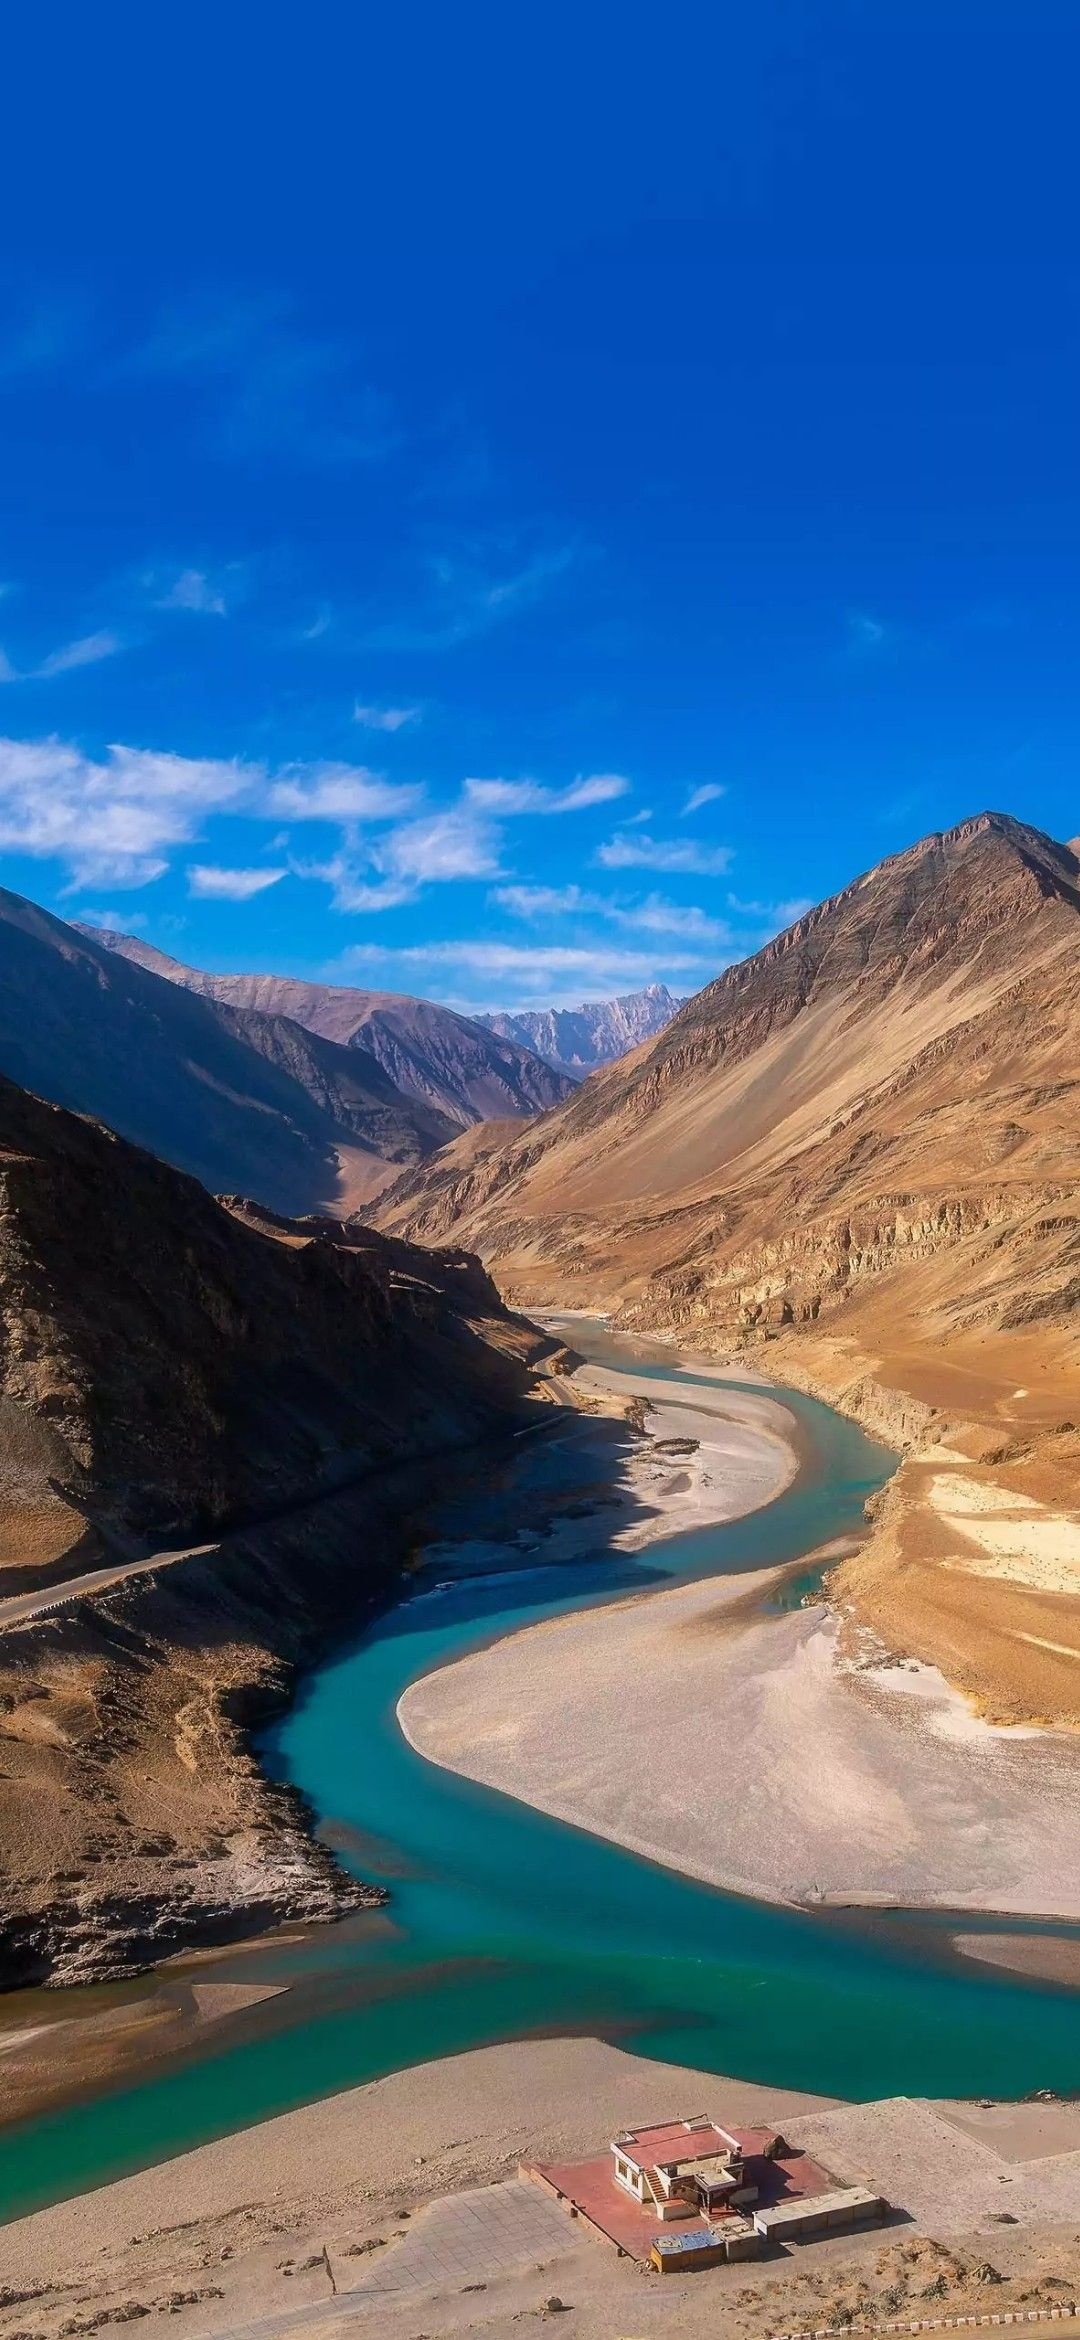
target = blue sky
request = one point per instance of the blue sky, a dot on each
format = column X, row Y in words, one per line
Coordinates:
column 509, row 504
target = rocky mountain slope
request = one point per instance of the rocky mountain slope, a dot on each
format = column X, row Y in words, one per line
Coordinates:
column 239, row 1100
column 863, row 1145
column 577, row 1040
column 442, row 1061
column 173, row 1371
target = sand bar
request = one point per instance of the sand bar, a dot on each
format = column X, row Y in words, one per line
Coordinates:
column 874, row 1794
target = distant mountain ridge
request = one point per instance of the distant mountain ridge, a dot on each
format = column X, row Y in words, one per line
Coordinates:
column 432, row 1054
column 577, row 1040
column 246, row 1103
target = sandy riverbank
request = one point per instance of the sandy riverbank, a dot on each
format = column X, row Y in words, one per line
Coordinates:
column 368, row 2153
column 594, row 1482
column 286, row 2218
column 881, row 1784
column 700, row 1457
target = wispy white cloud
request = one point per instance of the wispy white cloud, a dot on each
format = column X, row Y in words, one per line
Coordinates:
column 214, row 884
column 320, row 625
column 652, row 915
column 655, row 915
column 464, row 593
column 110, row 820
column 113, row 921
column 341, row 792
column 867, row 636
column 191, row 589
column 705, row 795
column 539, row 902
column 352, row 892
column 88, row 650
column 515, row 797
column 778, row 914
column 271, row 387
column 592, row 788
column 450, row 844
column 116, row 818
column 385, row 718
column 672, row 855
column 491, row 971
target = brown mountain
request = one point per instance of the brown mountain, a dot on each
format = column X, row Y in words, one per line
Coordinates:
column 242, row 1101
column 442, row 1060
column 864, row 1144
column 173, row 1371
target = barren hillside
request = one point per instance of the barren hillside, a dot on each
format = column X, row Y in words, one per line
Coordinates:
column 440, row 1060
column 173, row 1372
column 862, row 1146
column 240, row 1100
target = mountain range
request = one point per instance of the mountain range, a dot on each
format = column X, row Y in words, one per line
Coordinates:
column 456, row 1065
column 307, row 1111
column 861, row 1147
column 892, row 1078
column 577, row 1040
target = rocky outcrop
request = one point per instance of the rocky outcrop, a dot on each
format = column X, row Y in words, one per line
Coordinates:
column 177, row 1370
column 136, row 1818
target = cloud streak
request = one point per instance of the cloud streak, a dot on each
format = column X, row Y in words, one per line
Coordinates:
column 654, row 915
column 115, row 818
column 516, row 797
column 463, row 594
column 213, row 884
column 450, row 844
column 385, row 718
column 193, row 590
column 677, row 856
column 269, row 387
column 87, row 650
column 491, row 971
column 341, row 792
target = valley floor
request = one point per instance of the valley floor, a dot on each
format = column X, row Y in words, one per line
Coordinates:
column 836, row 1783
column 409, row 2184
column 880, row 1785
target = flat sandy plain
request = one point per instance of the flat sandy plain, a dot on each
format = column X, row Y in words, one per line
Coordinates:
column 261, row 2226
column 884, row 1785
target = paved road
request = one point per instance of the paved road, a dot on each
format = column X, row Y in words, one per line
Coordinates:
column 19, row 1606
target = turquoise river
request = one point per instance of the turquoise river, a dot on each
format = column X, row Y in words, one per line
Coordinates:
column 504, row 1923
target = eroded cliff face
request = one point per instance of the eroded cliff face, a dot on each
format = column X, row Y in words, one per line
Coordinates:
column 855, row 1157
column 175, row 1370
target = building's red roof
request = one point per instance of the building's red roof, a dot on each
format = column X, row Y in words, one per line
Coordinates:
column 752, row 2142
column 677, row 2141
